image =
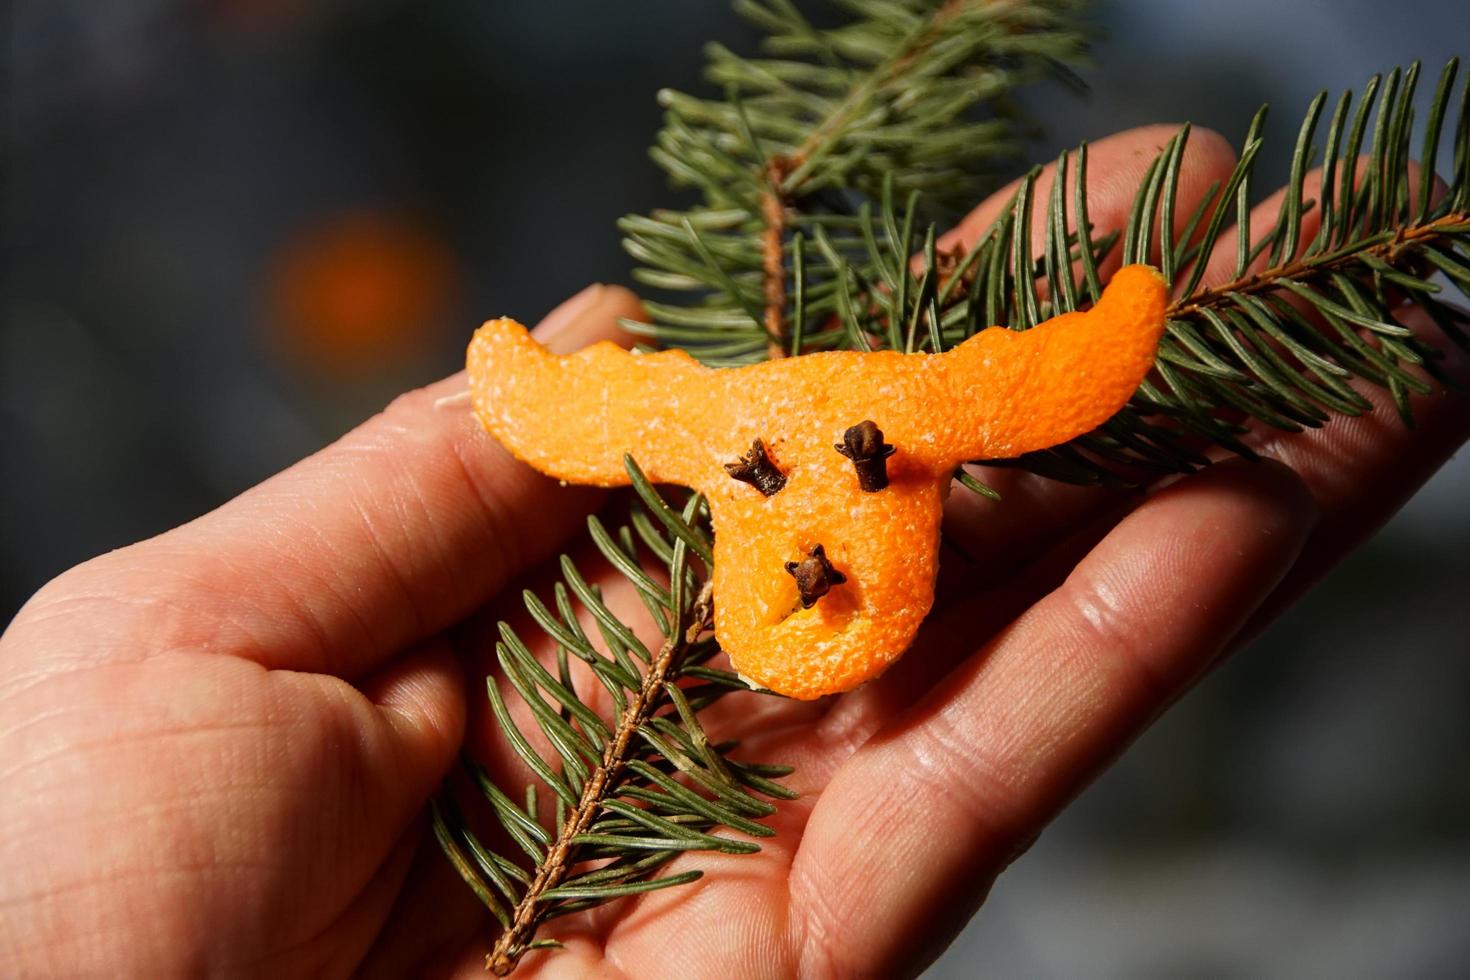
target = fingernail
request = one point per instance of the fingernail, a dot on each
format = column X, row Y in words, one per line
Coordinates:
column 566, row 314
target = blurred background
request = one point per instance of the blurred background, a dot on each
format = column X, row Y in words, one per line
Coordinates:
column 234, row 228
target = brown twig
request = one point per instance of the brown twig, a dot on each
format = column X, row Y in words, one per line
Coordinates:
column 773, row 265
column 775, row 196
column 1271, row 278
column 512, row 943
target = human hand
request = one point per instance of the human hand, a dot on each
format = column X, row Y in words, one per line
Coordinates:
column 216, row 742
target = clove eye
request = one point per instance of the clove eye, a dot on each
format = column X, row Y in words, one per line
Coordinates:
column 814, row 576
column 756, row 468
column 863, row 444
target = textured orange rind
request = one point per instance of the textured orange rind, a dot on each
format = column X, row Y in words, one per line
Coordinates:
column 999, row 394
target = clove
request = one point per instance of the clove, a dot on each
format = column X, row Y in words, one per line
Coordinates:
column 814, row 576
column 863, row 444
column 756, row 468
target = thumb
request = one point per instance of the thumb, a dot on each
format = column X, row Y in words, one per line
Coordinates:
column 393, row 533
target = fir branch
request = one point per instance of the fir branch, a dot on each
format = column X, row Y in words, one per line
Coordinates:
column 620, row 812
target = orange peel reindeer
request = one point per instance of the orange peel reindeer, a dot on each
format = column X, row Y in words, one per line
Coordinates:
column 825, row 473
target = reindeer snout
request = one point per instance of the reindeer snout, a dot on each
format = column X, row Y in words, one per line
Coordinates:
column 812, row 596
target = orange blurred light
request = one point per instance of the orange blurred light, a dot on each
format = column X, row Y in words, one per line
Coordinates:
column 359, row 291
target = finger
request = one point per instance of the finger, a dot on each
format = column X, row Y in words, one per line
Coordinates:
column 385, row 537
column 906, row 838
column 1116, row 166
column 1362, row 470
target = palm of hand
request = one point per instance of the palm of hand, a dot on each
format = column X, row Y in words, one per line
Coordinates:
column 217, row 744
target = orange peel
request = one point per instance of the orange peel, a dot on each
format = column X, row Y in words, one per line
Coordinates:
column 999, row 394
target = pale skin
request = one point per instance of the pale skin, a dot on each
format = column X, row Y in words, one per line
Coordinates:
column 216, row 745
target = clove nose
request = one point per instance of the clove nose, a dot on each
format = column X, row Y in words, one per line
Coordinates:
column 814, row 576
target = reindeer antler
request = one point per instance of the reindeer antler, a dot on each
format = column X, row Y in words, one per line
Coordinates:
column 574, row 417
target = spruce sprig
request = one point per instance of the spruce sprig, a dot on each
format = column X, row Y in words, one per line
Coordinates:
column 628, row 793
